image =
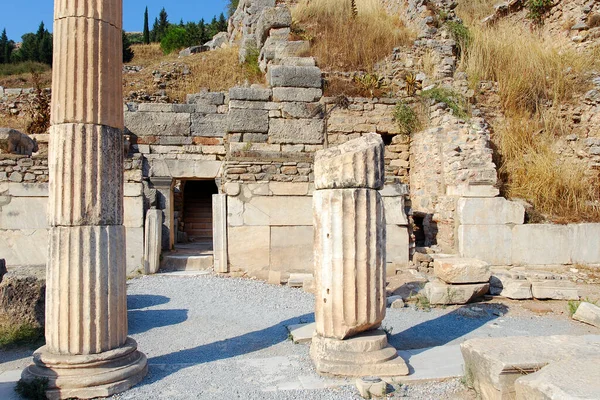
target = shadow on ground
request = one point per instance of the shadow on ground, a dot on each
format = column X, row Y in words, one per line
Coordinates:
column 448, row 327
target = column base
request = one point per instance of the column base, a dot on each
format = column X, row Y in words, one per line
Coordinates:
column 91, row 375
column 366, row 354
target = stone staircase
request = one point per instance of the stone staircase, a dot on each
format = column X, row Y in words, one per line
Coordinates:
column 195, row 256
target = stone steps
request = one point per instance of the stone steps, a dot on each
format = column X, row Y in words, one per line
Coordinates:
column 187, row 262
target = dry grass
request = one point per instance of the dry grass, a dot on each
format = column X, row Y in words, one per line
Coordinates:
column 535, row 78
column 341, row 42
column 473, row 11
column 19, row 122
column 215, row 70
column 25, row 80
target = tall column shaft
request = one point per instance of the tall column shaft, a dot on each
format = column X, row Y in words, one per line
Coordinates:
column 349, row 261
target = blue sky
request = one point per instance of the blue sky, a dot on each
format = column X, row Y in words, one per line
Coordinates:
column 22, row 16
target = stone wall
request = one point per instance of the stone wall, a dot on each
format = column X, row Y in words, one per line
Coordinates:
column 492, row 230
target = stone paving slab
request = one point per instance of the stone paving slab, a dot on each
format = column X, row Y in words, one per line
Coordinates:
column 302, row 333
column 435, row 363
column 8, row 381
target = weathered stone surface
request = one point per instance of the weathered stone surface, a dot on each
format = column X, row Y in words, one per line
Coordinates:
column 301, row 110
column 185, row 168
column 504, row 284
column 245, row 120
column 296, row 94
column 583, row 249
column 158, row 124
column 213, row 98
column 293, row 76
column 489, row 211
column 349, row 261
column 152, row 241
column 219, row 40
column 14, row 142
column 541, row 244
column 574, row 379
column 295, row 60
column 461, row 270
column 439, row 292
column 588, row 313
column 219, row 215
column 133, row 212
column 367, row 354
column 472, row 191
column 554, row 289
column 369, row 387
column 278, row 211
column 291, row 248
column 28, row 189
column 490, row 243
column 288, row 188
column 211, row 125
column 395, row 212
column 134, row 250
column 24, row 213
column 22, row 296
column 250, row 93
column 397, row 246
column 305, row 131
column 159, row 107
column 253, row 244
column 24, row 247
column 494, row 364
column 271, row 18
column 357, row 163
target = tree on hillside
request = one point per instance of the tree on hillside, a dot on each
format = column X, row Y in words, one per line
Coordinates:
column 146, row 28
column 222, row 23
column 161, row 25
column 175, row 39
column 6, row 48
column 213, row 28
column 35, row 47
column 127, row 51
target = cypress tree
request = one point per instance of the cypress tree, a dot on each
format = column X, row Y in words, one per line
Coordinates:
column 146, row 28
column 154, row 32
column 127, row 51
column 4, row 56
column 222, row 23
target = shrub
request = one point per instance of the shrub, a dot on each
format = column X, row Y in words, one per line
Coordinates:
column 407, row 119
column 461, row 35
column 34, row 390
column 537, row 9
column 174, row 39
column 452, row 99
column 22, row 68
column 21, row 335
column 345, row 40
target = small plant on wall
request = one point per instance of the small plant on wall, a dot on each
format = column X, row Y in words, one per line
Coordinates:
column 407, row 119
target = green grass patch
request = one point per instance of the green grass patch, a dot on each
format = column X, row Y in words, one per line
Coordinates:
column 573, row 305
column 21, row 335
column 456, row 102
column 407, row 119
column 22, row 68
column 461, row 35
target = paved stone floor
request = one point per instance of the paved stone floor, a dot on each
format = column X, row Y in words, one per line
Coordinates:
column 208, row 337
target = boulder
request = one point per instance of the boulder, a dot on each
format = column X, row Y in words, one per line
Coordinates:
column 588, row 313
column 442, row 293
column 505, row 284
column 14, row 142
column 22, row 296
column 357, row 163
column 193, row 50
column 462, row 270
column 219, row 40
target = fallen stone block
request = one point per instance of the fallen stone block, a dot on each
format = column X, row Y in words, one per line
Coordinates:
column 294, row 76
column 297, row 280
column 344, row 166
column 302, row 333
column 23, row 296
column 588, row 313
column 462, row 270
column 574, row 379
column 493, row 365
column 502, row 283
column 371, row 386
column 442, row 293
column 554, row 289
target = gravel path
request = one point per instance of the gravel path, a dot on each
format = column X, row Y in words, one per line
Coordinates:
column 210, row 337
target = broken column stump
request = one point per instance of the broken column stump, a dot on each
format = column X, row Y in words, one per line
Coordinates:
column 349, row 251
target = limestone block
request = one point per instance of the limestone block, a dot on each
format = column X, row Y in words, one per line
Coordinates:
column 211, row 125
column 132, row 189
column 397, row 243
column 250, row 93
column 302, row 110
column 78, row 95
column 22, row 296
column 90, row 195
column 585, row 249
column 574, row 379
column 489, row 243
column 249, row 248
column 461, row 270
column 158, row 124
column 107, row 11
column 134, row 249
column 295, row 59
column 219, row 215
column 24, row 247
column 291, row 248
column 235, row 211
column 371, row 387
column 542, row 244
column 494, row 364
column 160, row 107
column 245, row 120
column 296, row 94
column 278, row 210
column 133, row 212
column 305, row 131
column 98, row 293
column 504, row 284
column 554, row 289
column 489, row 211
column 439, row 292
column 395, row 210
column 357, row 163
column 288, row 188
column 394, row 190
column 152, row 240
column 472, row 191
column 349, row 253
column 588, row 313
column 24, row 213
column 28, row 189
column 185, row 168
column 212, row 98
column 293, row 76
column 271, row 18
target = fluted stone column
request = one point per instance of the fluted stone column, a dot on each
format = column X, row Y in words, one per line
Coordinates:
column 87, row 352
column 349, row 256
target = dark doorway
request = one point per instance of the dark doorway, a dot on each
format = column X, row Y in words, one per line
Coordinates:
column 197, row 210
